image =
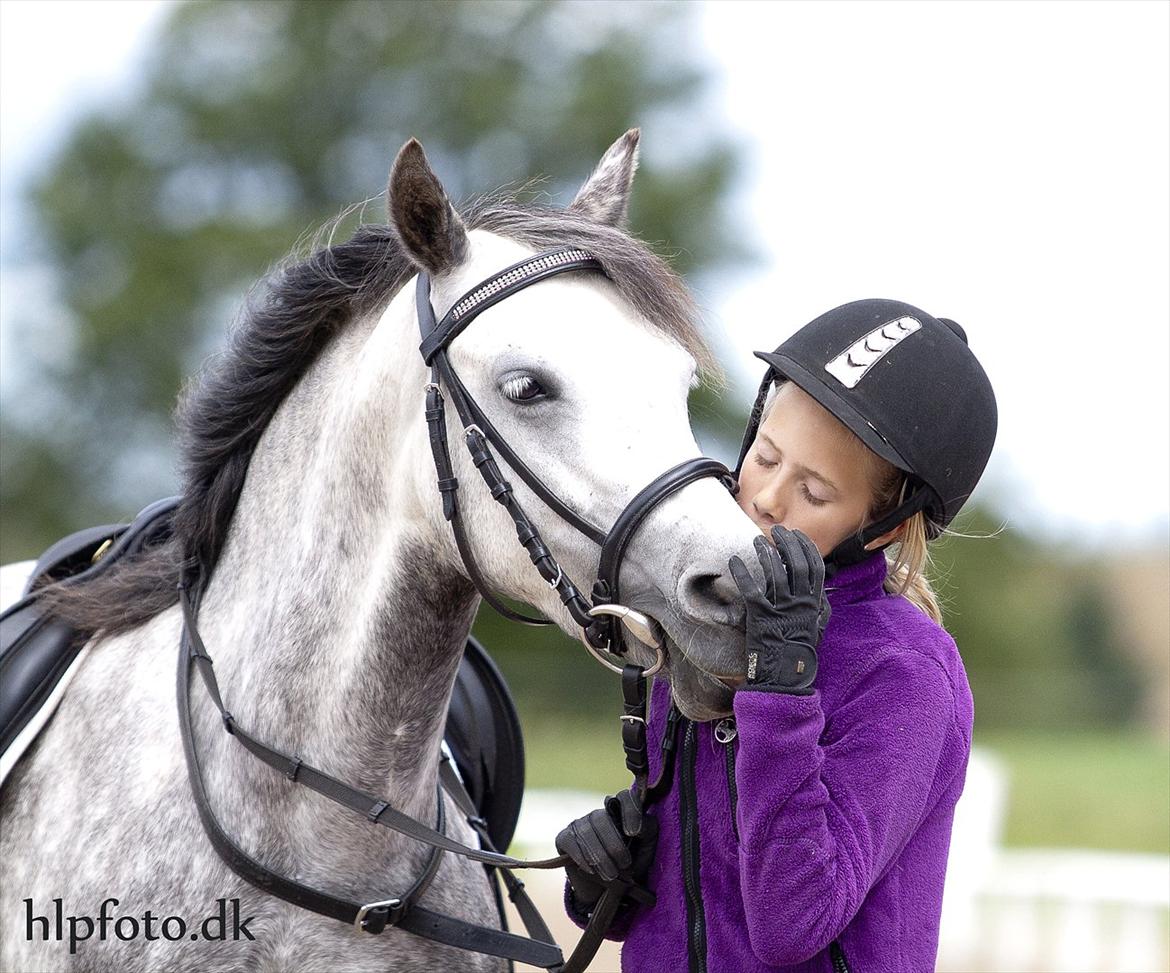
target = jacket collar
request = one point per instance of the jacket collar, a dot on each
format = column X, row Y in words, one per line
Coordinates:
column 858, row 582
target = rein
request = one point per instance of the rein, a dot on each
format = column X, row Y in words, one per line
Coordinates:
column 400, row 910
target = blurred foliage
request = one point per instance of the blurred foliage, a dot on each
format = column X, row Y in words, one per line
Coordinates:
column 1038, row 635
column 257, row 122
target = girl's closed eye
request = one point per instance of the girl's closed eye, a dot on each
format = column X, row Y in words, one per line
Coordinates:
column 811, row 498
column 765, row 463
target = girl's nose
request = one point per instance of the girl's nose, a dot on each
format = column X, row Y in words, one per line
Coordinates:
column 769, row 507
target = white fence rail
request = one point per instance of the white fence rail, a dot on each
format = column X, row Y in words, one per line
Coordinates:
column 1070, row 910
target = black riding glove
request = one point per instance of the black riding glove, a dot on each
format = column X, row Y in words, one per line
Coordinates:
column 787, row 616
column 615, row 843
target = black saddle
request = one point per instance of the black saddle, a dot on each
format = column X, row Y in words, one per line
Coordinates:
column 36, row 649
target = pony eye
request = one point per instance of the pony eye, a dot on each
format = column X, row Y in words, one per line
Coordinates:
column 522, row 388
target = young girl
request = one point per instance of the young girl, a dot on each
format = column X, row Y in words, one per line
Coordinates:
column 809, row 832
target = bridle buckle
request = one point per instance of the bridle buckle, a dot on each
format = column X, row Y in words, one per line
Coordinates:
column 390, row 905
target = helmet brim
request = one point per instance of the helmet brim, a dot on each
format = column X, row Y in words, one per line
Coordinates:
column 837, row 406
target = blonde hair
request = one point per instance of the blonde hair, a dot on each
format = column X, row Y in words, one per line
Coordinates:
column 908, row 558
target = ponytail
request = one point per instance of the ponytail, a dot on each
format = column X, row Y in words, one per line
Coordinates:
column 908, row 559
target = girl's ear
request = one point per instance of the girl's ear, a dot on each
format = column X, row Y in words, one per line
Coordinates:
column 887, row 538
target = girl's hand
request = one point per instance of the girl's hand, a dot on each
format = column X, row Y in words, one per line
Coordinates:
column 786, row 616
column 615, row 843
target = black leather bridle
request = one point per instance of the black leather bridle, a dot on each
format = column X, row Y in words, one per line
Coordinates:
column 602, row 628
column 601, row 625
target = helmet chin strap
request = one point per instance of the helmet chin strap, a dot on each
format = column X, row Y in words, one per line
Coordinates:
column 753, row 423
column 853, row 549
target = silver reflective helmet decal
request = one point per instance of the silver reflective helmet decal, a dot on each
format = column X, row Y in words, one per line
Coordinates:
column 850, row 366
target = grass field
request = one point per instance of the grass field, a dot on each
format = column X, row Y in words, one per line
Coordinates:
column 1086, row 789
column 1076, row 789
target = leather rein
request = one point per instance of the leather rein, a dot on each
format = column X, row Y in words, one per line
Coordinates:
column 602, row 628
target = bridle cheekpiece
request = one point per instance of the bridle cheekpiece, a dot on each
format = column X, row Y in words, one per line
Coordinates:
column 602, row 621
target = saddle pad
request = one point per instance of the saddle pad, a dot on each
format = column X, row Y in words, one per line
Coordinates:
column 39, row 653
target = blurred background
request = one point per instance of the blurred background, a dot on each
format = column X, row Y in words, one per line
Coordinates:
column 1007, row 165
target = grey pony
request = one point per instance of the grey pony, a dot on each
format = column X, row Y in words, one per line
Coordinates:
column 338, row 606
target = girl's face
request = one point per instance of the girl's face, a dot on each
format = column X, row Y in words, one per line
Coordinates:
column 807, row 472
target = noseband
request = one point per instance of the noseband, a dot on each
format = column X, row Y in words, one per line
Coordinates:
column 601, row 621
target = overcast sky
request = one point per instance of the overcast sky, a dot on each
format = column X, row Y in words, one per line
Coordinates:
column 1003, row 164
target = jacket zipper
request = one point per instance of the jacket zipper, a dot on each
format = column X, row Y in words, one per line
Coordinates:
column 725, row 733
column 689, row 813
column 837, row 955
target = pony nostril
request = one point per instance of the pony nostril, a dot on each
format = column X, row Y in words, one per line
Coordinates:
column 709, row 590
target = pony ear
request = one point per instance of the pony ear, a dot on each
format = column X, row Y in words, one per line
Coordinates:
column 605, row 197
column 420, row 211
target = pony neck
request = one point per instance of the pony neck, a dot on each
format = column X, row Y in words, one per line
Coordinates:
column 336, row 617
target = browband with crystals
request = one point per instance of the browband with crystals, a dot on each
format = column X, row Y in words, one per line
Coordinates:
column 495, row 289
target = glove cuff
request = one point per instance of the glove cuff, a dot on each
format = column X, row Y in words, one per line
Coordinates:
column 577, row 910
column 779, row 690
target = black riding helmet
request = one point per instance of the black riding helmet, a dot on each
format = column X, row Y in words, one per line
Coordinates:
column 906, row 384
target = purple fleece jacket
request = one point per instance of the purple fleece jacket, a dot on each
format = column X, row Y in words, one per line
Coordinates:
column 843, row 806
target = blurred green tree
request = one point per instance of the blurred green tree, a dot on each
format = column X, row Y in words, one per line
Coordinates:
column 258, row 121
column 1036, row 628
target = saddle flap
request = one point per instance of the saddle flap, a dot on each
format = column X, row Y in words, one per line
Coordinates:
column 483, row 732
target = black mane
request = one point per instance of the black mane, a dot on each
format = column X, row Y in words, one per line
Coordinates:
column 285, row 324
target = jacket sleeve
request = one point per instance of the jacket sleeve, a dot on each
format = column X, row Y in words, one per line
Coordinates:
column 822, row 810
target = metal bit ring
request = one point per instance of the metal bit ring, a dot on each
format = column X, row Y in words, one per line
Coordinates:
column 640, row 626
